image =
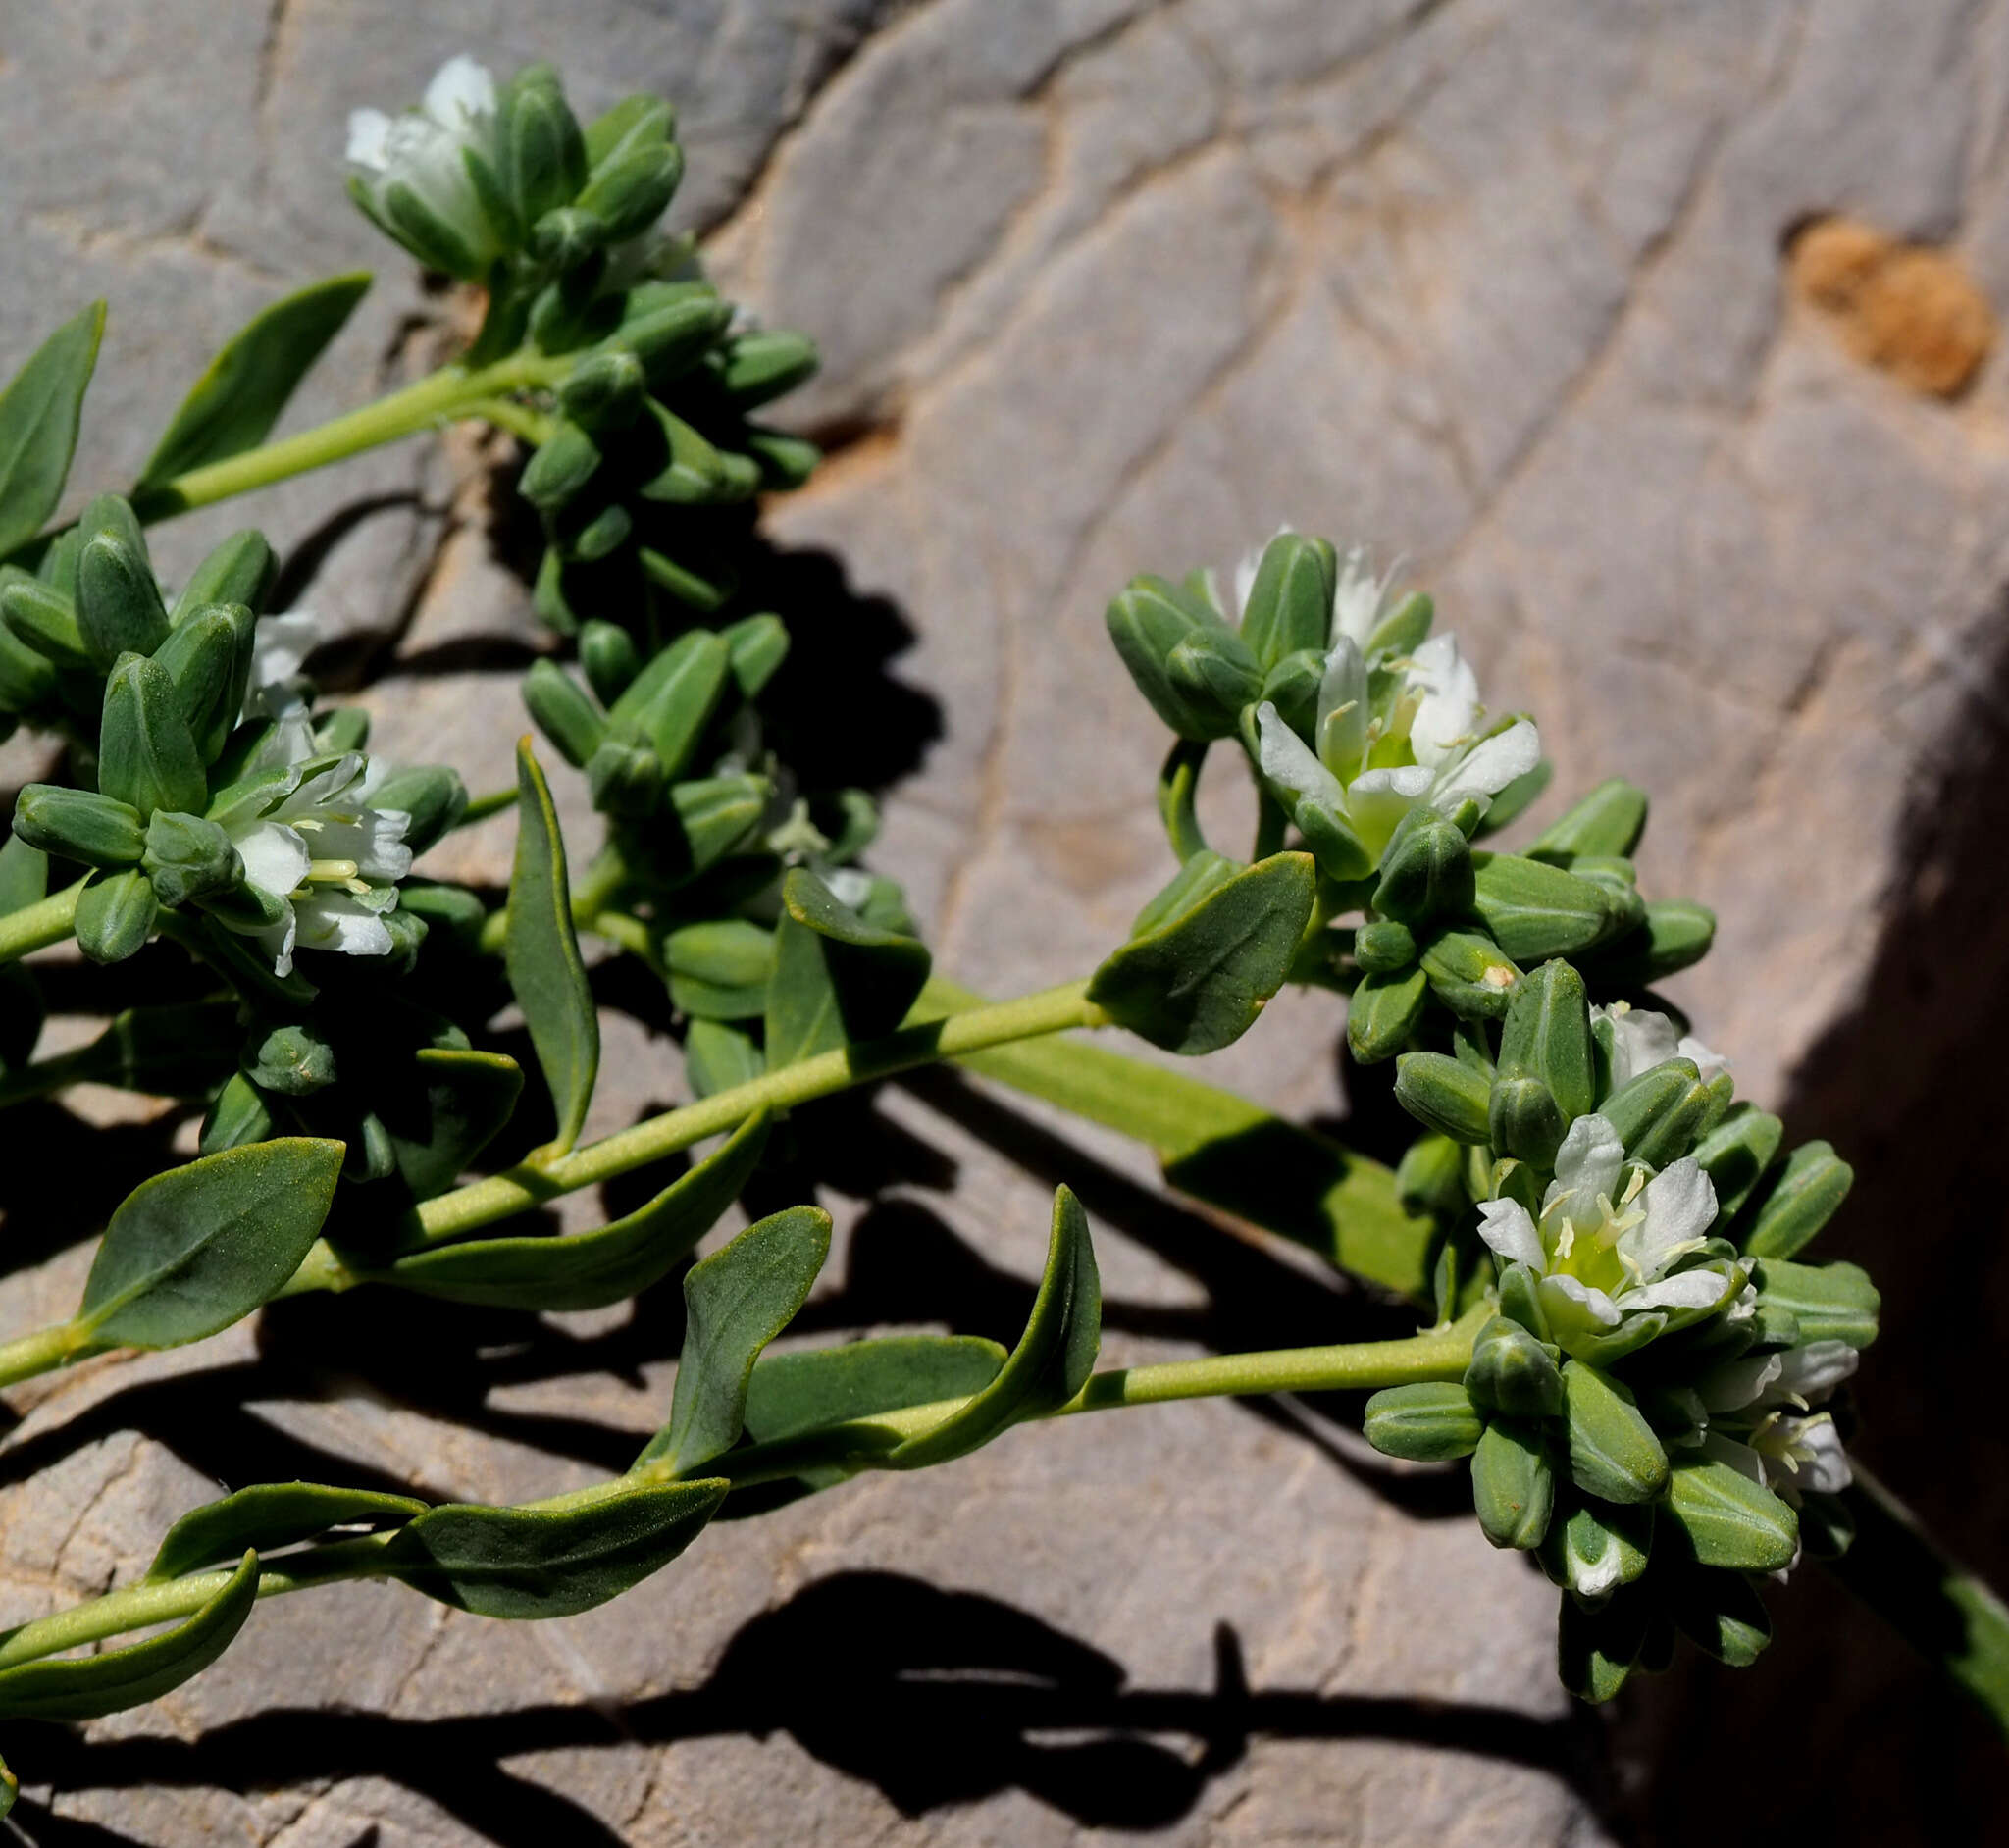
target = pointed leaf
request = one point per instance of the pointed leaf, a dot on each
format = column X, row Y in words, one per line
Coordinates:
column 238, row 398
column 196, row 1248
column 1052, row 1359
column 837, row 979
column 735, row 1302
column 542, row 958
column 38, row 418
column 1197, row 983
column 591, row 1269
column 266, row 1517
column 552, row 1558
column 793, row 1393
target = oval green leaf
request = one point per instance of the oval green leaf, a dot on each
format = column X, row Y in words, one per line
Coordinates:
column 835, row 977
column 793, row 1393
column 38, row 417
column 268, row 1516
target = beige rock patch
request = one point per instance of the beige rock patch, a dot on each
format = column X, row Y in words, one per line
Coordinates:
column 1911, row 311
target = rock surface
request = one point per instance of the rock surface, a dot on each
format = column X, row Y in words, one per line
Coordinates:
column 1103, row 287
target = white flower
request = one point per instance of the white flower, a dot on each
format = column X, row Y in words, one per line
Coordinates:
column 425, row 151
column 326, row 862
column 1359, row 600
column 1762, row 1420
column 1601, row 1253
column 280, row 645
column 1642, row 1039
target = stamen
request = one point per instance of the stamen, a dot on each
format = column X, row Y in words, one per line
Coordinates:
column 332, row 872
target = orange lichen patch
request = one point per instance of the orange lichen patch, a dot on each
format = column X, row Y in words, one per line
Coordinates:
column 1908, row 309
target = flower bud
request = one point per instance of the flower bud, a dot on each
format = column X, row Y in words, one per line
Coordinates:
column 294, row 1060
column 1832, row 1302
column 1673, row 1131
column 146, row 753
column 629, row 194
column 1608, row 821
column 240, row 1115
column 757, row 368
column 1214, row 674
column 1640, row 1103
column 716, row 814
column 1426, row 870
column 1469, row 974
column 1290, row 602
column 757, row 646
column 1512, row 1488
column 1430, row 1423
column 624, row 778
column 1383, row 947
column 79, row 825
column 543, row 153
column 1598, row 1645
column 450, row 908
column 672, row 700
column 118, row 605
column 1618, row 884
column 692, row 472
column 1512, row 1374
column 431, row 793
column 603, row 534
column 785, row 461
column 604, row 389
column 563, row 712
column 1807, row 1194
column 1429, row 1179
column 1291, row 685
column 188, row 857
column 115, row 916
column 1719, row 1516
column 670, row 339
column 44, row 619
column 1534, row 910
column 26, row 677
column 1735, row 1154
column 1675, row 933
column 1443, row 1094
column 1381, row 1014
column 1522, row 1120
column 1722, row 1613
column 562, row 466
column 1597, row 1548
column 208, row 656
column 1547, row 1035
column 608, row 654
column 1614, row 1454
column 239, row 571
column 1519, row 1302
column 1146, row 621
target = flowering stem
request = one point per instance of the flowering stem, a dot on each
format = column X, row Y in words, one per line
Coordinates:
column 37, row 926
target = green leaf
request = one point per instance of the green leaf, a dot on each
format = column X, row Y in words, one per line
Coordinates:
column 443, row 1111
column 23, row 875
column 837, row 979
column 553, row 1558
column 718, row 1057
column 541, row 955
column 89, row 1687
column 719, row 969
column 591, row 1269
column 793, row 1393
column 196, row 1248
column 39, row 419
column 1052, row 1362
column 735, row 1302
column 238, row 398
column 1197, row 983
column 266, row 1517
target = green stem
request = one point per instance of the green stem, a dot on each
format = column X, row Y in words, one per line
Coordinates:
column 481, row 808
column 40, row 1353
column 1178, row 787
column 37, row 926
column 454, row 391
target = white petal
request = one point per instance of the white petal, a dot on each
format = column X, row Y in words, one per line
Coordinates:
column 332, row 920
column 278, row 944
column 1357, row 598
column 849, row 886
column 278, row 646
column 1503, row 1224
column 1342, row 729
column 1246, row 568
column 1640, row 1039
column 1449, row 707
column 1586, row 1165
column 1288, row 762
column 1491, row 764
column 1691, row 1289
column 1711, row 1065
column 1816, row 1368
column 1680, row 1207
column 1736, row 1384
column 461, row 92
column 369, row 138
column 275, row 857
column 374, row 841
column 1826, row 1470
column 1377, row 800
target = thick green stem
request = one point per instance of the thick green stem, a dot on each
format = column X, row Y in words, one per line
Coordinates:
column 40, row 1353
column 37, row 926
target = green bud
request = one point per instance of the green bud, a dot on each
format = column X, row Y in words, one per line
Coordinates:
column 1722, row 1613
column 563, row 712
column 1291, row 685
column 1512, row 1374
column 1404, row 628
column 1290, row 602
column 1431, row 1423
column 44, row 619
column 239, row 571
column 344, row 728
column 1520, row 1301
column 1383, row 1012
column 115, row 916
column 1330, row 837
column 1735, row 1154
column 450, row 908
column 1608, row 821
column 1534, row 910
column 27, row 676
column 1442, row 1095
column 1720, row 1517
column 785, row 461
column 1384, row 946
column 1597, row 1548
column 606, row 652
column 692, row 469
column 118, row 604
column 1672, row 1131
column 1640, row 1103
column 1523, row 1120
column 716, row 814
column 188, row 857
column 630, row 193
column 294, row 1060
column 757, row 368
column 208, row 656
column 1614, row 1454
column 1513, row 1487
column 691, row 589
column 1469, row 974
column 604, row 389
column 1807, row 1194
column 1597, row 1646
column 1470, row 1044
column 240, row 1115
column 603, row 534
column 669, row 340
column 564, row 465
column 431, row 793
column 624, row 778
column 757, row 646
column 79, row 825
column 672, row 700
column 542, row 151
column 1676, row 932
column 1429, row 1179
column 1547, row 1035
column 1833, row 1301
column 1618, row 884
column 1216, row 676
column 58, row 569
column 1146, row 621
column 1426, row 871
column 636, row 121
column 146, row 753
